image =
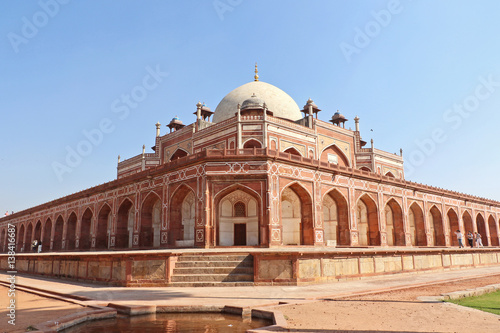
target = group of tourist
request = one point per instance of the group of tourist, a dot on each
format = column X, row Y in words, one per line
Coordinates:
column 471, row 239
column 36, row 246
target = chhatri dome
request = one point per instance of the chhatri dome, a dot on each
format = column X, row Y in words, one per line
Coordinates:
column 277, row 101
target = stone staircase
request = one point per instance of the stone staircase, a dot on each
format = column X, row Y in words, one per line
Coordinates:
column 226, row 270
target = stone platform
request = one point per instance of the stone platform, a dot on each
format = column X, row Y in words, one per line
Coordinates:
column 246, row 266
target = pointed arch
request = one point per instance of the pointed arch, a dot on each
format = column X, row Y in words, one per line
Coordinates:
column 437, row 226
column 481, row 228
column 294, row 220
column 149, row 229
column 58, row 234
column 85, row 240
column 178, row 232
column 46, row 235
column 452, row 218
column 389, row 174
column 72, row 222
column 417, row 226
column 103, row 228
column 3, row 237
column 468, row 225
column 124, row 224
column 394, row 223
column 493, row 231
column 38, row 230
column 252, row 143
column 367, row 220
column 178, row 154
column 333, row 154
column 292, row 151
column 336, row 218
column 20, row 239
column 28, row 238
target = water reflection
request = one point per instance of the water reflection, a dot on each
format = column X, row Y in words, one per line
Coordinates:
column 171, row 323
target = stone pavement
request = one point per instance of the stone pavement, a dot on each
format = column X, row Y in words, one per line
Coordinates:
column 251, row 296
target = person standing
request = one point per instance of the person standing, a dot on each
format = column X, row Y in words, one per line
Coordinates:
column 39, row 246
column 479, row 241
column 470, row 239
column 34, row 246
column 460, row 238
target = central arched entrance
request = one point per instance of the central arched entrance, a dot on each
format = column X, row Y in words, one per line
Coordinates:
column 238, row 219
column 182, row 217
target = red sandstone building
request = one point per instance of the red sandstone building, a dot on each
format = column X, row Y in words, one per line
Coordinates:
column 258, row 171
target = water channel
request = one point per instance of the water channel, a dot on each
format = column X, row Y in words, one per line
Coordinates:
column 170, row 323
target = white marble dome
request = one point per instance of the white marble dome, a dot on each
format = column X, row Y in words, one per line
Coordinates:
column 277, row 101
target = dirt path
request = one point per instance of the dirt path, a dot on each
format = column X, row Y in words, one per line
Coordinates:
column 32, row 309
column 396, row 311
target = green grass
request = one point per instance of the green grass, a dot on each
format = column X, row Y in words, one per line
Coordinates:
column 487, row 302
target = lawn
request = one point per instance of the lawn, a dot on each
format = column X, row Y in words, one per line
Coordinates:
column 487, row 302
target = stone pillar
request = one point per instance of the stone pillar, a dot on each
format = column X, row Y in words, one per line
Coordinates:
column 354, row 233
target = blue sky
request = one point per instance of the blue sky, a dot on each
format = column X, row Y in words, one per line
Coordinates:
column 421, row 75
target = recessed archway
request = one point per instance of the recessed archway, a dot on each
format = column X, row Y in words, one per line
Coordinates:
column 452, row 218
column 252, row 143
column 28, row 238
column 85, row 230
column 20, row 239
column 367, row 221
column 417, row 226
column 334, row 155
column 38, row 231
column 297, row 216
column 103, row 229
column 293, row 151
column 71, row 232
column 149, row 235
column 238, row 219
column 124, row 225
column 437, row 226
column 336, row 218
column 493, row 231
column 3, row 237
column 394, row 224
column 58, row 234
column 47, row 231
column 468, row 226
column 181, row 217
column 178, row 154
column 481, row 228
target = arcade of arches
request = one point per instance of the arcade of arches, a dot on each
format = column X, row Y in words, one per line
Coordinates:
column 238, row 217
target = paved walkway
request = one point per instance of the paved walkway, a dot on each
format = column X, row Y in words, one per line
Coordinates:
column 239, row 296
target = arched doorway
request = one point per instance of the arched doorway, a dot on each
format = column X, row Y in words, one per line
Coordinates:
column 182, row 217
column 103, row 229
column 297, row 216
column 58, row 234
column 238, row 220
column 394, row 224
column 481, row 228
column 125, row 225
column 417, row 226
column 38, row 231
column 452, row 218
column 367, row 221
column 493, row 231
column 20, row 239
column 71, row 232
column 335, row 218
column 85, row 230
column 149, row 235
column 437, row 226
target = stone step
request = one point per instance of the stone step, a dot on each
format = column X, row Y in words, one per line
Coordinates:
column 215, row 258
column 211, row 284
column 206, row 264
column 213, row 278
column 212, row 270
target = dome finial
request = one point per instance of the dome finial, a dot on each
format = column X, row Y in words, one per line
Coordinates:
column 256, row 77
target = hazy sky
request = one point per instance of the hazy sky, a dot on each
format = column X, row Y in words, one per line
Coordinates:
column 82, row 82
